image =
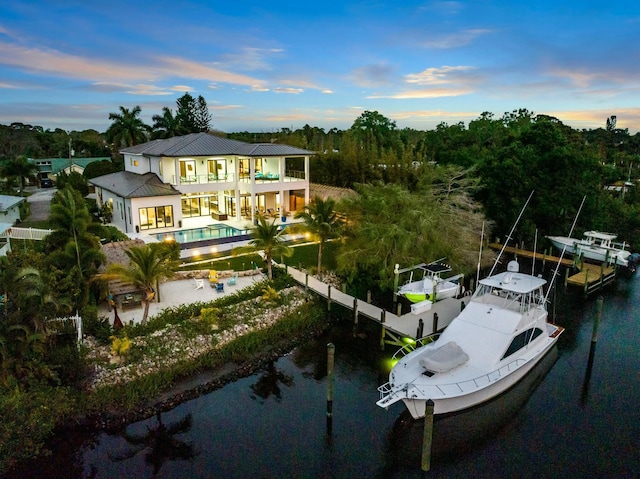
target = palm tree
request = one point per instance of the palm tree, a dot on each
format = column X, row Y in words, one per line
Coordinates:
column 19, row 168
column 166, row 125
column 70, row 218
column 321, row 220
column 266, row 237
column 127, row 129
column 148, row 265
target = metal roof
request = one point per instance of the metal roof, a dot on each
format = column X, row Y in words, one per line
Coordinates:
column 205, row 144
column 7, row 202
column 127, row 184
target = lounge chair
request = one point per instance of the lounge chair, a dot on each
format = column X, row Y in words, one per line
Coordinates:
column 232, row 281
column 213, row 277
column 199, row 283
column 220, row 287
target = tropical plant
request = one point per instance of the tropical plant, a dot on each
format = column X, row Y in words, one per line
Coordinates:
column 18, row 169
column 268, row 238
column 166, row 125
column 149, row 264
column 321, row 220
column 127, row 128
column 72, row 241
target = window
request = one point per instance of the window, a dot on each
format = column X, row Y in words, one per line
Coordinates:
column 156, row 217
column 188, row 171
column 199, row 205
column 521, row 340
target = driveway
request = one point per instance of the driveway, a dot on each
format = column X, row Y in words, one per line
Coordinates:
column 40, row 201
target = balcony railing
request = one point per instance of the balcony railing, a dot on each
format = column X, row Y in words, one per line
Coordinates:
column 201, row 179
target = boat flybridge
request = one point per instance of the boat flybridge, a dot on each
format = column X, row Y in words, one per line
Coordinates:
column 493, row 343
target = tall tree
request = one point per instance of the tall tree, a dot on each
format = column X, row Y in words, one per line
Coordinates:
column 267, row 238
column 321, row 220
column 19, row 169
column 148, row 265
column 127, row 128
column 193, row 115
column 167, row 125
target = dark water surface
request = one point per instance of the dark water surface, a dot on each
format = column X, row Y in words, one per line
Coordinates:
column 565, row 420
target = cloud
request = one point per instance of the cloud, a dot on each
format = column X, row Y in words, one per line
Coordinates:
column 251, row 58
column 455, row 40
column 294, row 91
column 434, row 82
column 436, row 76
column 426, row 93
column 59, row 64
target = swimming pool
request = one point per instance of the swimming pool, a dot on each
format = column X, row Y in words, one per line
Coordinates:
column 211, row 232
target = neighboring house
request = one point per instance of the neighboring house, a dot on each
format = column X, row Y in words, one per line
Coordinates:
column 52, row 167
column 215, row 177
column 138, row 201
column 10, row 209
column 9, row 215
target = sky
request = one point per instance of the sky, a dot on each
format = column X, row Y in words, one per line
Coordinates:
column 263, row 66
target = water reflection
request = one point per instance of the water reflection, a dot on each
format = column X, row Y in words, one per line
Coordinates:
column 457, row 434
column 268, row 383
column 159, row 443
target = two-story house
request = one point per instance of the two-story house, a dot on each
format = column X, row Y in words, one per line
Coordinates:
column 182, row 182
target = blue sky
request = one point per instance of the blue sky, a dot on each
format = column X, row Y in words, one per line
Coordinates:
column 263, row 66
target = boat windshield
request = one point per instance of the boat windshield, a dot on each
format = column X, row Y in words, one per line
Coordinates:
column 520, row 302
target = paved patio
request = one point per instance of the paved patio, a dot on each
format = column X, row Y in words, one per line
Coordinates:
column 175, row 293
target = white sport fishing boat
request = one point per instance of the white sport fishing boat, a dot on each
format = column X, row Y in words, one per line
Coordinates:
column 432, row 287
column 492, row 344
column 596, row 246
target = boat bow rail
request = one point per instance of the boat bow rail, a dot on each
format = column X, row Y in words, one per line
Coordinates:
column 390, row 394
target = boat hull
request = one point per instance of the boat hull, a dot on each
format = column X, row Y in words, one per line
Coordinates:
column 448, row 405
column 564, row 243
column 416, row 292
column 590, row 251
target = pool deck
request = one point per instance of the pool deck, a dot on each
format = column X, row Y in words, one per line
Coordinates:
column 176, row 293
column 202, row 222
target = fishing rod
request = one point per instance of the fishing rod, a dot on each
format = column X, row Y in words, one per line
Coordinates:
column 511, row 232
column 555, row 273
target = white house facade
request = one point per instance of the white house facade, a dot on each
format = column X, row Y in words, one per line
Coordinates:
column 204, row 176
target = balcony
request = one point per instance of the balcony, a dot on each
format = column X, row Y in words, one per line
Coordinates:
column 202, row 179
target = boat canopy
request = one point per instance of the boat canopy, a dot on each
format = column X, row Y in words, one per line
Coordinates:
column 514, row 282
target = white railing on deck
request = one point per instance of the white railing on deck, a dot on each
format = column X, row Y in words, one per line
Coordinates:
column 27, row 233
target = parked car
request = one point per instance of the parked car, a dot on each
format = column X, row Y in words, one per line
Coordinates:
column 46, row 183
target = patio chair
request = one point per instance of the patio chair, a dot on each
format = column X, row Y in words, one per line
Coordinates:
column 232, row 281
column 219, row 287
column 213, row 277
column 199, row 283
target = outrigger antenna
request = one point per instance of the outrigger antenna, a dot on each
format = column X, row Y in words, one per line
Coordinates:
column 511, row 232
column 555, row 273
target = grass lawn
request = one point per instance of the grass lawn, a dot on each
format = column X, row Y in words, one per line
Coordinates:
column 304, row 255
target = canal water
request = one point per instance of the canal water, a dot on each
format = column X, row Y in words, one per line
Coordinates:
column 570, row 418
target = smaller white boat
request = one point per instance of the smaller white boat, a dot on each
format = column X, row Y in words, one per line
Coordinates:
column 432, row 287
column 596, row 246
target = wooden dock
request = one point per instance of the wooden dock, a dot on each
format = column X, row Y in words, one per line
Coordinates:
column 532, row 255
column 590, row 277
column 395, row 327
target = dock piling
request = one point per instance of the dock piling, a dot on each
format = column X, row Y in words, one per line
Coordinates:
column 331, row 349
column 420, row 331
column 596, row 323
column 427, row 437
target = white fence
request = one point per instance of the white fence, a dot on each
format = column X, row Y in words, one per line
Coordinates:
column 27, row 233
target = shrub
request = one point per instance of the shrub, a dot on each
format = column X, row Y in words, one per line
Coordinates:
column 28, row 418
